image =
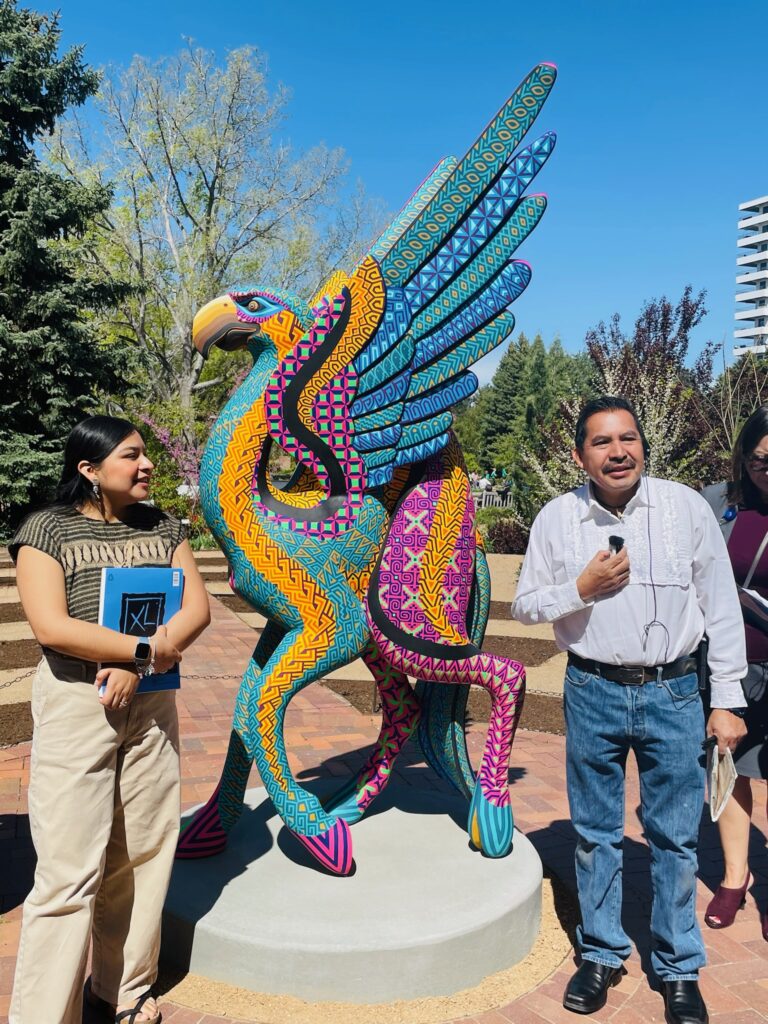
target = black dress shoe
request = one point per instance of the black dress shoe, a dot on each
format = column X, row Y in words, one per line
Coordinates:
column 587, row 990
column 683, row 1003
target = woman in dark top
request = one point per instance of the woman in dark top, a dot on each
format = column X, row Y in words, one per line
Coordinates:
column 104, row 782
column 742, row 510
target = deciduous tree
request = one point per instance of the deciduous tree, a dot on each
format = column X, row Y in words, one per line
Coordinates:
column 206, row 198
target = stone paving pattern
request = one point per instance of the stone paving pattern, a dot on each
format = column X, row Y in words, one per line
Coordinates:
column 327, row 737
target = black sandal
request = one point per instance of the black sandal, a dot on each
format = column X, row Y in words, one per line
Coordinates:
column 131, row 1015
column 96, row 1002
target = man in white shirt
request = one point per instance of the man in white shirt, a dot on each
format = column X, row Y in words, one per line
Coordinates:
column 632, row 571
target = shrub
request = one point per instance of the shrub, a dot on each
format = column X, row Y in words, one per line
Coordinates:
column 203, row 541
column 506, row 537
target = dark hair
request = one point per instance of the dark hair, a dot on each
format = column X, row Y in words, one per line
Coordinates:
column 607, row 403
column 91, row 440
column 741, row 490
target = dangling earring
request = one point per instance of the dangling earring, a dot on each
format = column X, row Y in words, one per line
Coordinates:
column 96, row 490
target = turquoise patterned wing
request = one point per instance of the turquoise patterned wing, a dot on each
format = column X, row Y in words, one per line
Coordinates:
column 450, row 273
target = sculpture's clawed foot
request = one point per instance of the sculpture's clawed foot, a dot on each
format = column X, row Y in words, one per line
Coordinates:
column 203, row 834
column 491, row 823
column 332, row 847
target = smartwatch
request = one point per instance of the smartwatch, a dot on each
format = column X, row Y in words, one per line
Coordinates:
column 142, row 655
column 739, row 712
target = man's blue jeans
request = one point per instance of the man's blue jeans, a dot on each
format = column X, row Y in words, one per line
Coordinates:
column 663, row 723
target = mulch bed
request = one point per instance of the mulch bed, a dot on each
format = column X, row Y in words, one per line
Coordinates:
column 500, row 610
column 11, row 613
column 19, row 653
column 234, row 603
column 542, row 712
column 218, row 577
column 528, row 650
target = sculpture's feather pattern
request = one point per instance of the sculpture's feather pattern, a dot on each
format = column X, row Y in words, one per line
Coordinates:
column 463, row 355
column 442, row 397
column 464, row 280
column 483, row 268
column 420, row 452
column 472, row 176
column 379, row 419
column 414, row 434
column 502, row 291
column 486, row 218
column 420, row 198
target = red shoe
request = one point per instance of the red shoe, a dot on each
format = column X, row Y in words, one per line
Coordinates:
column 724, row 904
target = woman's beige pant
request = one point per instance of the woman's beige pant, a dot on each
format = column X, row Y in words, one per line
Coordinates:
column 104, row 815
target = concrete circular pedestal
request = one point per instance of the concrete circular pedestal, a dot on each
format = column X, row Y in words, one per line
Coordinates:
column 422, row 915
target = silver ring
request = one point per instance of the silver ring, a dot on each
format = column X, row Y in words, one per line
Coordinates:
column 123, row 703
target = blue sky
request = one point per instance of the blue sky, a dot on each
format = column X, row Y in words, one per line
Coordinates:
column 659, row 110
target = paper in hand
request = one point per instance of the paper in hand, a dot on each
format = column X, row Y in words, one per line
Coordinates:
column 721, row 778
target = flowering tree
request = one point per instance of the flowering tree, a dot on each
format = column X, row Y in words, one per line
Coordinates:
column 737, row 392
column 185, row 455
column 648, row 367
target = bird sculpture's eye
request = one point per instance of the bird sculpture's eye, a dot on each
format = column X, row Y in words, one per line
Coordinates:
column 255, row 306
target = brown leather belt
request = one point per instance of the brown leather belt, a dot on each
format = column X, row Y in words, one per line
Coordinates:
column 635, row 675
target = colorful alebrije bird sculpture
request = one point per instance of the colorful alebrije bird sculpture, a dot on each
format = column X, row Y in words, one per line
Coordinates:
column 371, row 550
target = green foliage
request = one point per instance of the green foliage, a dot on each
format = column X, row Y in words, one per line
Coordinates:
column 528, row 387
column 503, row 532
column 737, row 392
column 36, row 84
column 203, row 541
column 489, row 515
column 516, row 413
column 649, row 367
column 507, row 537
column 176, row 454
column 468, row 423
column 52, row 367
column 673, row 400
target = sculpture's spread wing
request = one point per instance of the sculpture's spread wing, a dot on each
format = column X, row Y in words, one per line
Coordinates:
column 367, row 382
column 446, row 262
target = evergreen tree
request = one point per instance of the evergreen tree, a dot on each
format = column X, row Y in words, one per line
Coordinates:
column 536, row 390
column 505, row 404
column 468, row 422
column 51, row 367
column 568, row 375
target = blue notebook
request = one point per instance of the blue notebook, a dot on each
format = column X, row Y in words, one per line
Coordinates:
column 137, row 601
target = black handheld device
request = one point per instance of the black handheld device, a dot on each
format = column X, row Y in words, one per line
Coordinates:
column 615, row 544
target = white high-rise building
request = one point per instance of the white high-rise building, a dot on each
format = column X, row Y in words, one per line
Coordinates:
column 752, row 280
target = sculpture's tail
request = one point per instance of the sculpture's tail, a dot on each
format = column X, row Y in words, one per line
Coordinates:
column 441, row 733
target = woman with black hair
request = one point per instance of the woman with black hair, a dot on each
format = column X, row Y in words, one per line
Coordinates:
column 104, row 784
column 741, row 507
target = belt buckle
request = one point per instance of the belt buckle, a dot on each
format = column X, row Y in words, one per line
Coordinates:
column 638, row 675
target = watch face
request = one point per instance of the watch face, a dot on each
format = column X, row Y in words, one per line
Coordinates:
column 143, row 651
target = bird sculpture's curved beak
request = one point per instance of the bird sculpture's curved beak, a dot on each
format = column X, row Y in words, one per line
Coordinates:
column 217, row 323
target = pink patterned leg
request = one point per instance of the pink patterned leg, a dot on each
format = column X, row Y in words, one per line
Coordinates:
column 490, row 818
column 400, row 717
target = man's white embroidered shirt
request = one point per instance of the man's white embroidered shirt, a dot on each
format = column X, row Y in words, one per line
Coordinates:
column 680, row 585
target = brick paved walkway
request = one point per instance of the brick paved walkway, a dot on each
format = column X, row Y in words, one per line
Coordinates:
column 327, row 737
